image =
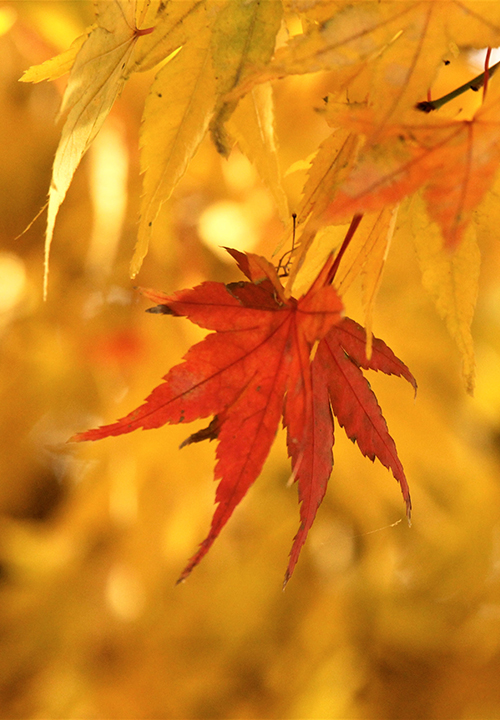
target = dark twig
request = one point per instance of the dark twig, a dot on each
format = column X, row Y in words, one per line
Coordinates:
column 474, row 84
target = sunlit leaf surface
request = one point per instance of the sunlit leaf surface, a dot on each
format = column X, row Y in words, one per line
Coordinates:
column 379, row 620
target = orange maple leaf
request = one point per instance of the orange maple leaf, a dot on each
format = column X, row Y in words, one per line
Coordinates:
column 454, row 161
column 260, row 364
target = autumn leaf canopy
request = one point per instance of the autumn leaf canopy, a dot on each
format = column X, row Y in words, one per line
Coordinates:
column 280, row 344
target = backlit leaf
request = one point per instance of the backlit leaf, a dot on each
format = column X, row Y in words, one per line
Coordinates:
column 451, row 278
column 455, row 161
column 58, row 65
column 97, row 77
column 176, row 116
column 398, row 45
column 243, row 38
column 174, row 24
column 270, row 356
column 252, row 126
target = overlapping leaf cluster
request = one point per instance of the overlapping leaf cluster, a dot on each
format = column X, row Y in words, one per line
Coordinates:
column 215, row 59
column 206, row 48
column 216, row 62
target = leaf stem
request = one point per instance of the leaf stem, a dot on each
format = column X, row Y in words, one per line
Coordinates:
column 487, row 72
column 349, row 235
column 474, row 84
column 144, row 31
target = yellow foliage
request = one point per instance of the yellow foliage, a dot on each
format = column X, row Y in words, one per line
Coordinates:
column 58, row 65
column 380, row 621
column 452, row 280
column 97, row 76
column 244, row 36
column 368, row 254
column 176, row 116
column 252, row 126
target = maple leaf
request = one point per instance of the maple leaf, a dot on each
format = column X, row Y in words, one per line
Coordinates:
column 252, row 126
column 175, row 120
column 397, row 46
column 244, row 36
column 56, row 66
column 101, row 63
column 454, row 161
column 206, row 48
column 452, row 280
column 176, row 117
column 270, row 355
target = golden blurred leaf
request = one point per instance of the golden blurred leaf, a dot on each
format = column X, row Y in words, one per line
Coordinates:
column 451, row 278
column 367, row 253
column 252, row 126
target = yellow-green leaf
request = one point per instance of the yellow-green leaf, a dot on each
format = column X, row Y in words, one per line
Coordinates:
column 243, row 38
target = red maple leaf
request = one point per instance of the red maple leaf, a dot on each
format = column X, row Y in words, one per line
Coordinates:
column 270, row 356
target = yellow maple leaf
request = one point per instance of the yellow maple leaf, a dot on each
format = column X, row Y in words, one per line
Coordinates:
column 98, row 74
column 451, row 278
column 59, row 65
column 175, row 23
column 252, row 126
column 328, row 169
column 175, row 120
column 367, row 254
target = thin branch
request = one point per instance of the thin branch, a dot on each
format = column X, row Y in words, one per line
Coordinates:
column 474, row 84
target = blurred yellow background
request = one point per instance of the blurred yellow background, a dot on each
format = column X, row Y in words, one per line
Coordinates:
column 379, row 620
